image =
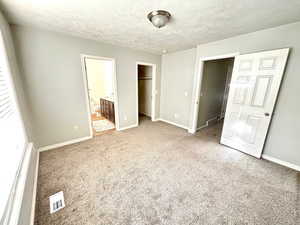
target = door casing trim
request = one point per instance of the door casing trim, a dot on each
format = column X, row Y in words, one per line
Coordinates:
column 153, row 91
column 87, row 99
column 197, row 85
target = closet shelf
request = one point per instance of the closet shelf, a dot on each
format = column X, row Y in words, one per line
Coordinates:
column 145, row 78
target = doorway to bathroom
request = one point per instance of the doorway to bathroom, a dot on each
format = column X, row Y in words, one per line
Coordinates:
column 100, row 84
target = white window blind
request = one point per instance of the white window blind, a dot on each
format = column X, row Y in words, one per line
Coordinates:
column 12, row 135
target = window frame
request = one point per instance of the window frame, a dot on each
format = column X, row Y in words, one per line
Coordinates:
column 14, row 200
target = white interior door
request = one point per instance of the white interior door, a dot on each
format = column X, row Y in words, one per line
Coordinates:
column 253, row 91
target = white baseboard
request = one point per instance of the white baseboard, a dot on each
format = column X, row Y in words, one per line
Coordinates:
column 34, row 193
column 191, row 131
column 173, row 123
column 49, row 147
column 206, row 125
column 128, row 127
column 281, row 162
column 213, row 118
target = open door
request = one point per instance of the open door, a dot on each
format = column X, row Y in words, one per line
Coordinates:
column 253, row 91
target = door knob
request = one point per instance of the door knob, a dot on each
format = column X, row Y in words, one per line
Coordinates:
column 267, row 114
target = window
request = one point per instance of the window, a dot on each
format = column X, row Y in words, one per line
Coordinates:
column 12, row 134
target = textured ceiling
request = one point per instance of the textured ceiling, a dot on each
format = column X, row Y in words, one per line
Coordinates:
column 124, row 22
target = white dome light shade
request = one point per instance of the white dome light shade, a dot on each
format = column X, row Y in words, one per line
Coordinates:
column 159, row 18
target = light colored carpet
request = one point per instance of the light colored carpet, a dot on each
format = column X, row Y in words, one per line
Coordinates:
column 101, row 125
column 159, row 174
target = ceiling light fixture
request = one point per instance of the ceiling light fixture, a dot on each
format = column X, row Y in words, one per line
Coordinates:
column 159, row 18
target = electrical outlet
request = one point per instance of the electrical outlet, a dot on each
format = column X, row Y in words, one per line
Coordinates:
column 76, row 127
column 186, row 93
column 125, row 118
column 176, row 115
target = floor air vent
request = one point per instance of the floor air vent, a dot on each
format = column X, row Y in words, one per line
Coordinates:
column 57, row 202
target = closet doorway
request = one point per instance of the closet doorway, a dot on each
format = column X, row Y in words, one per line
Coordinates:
column 146, row 91
column 215, row 83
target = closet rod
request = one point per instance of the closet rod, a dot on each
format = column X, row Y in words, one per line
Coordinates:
column 145, row 78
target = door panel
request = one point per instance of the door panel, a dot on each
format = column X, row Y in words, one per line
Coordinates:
column 233, row 118
column 241, row 90
column 261, row 90
column 251, row 128
column 268, row 63
column 245, row 65
column 252, row 95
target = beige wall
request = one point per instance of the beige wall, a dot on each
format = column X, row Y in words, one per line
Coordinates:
column 177, row 86
column 52, row 73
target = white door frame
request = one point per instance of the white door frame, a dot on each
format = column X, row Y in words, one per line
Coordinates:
column 198, row 82
column 87, row 98
column 153, row 91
